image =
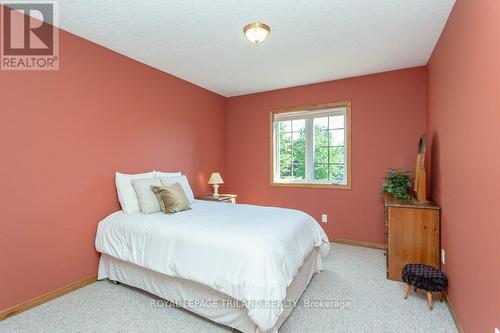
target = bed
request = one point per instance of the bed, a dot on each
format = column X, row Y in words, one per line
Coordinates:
column 243, row 266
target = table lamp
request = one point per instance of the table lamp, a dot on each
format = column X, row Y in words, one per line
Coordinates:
column 215, row 180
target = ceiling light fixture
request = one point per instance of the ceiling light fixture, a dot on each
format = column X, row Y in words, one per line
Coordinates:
column 256, row 32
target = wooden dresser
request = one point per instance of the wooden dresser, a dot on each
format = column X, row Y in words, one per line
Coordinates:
column 411, row 234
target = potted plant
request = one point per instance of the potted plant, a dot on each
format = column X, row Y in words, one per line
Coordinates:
column 398, row 184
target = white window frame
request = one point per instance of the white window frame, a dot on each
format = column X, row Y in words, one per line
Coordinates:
column 309, row 113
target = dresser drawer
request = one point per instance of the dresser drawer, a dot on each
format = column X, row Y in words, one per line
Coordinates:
column 412, row 237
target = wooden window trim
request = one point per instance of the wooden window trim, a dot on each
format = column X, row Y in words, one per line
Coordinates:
column 348, row 144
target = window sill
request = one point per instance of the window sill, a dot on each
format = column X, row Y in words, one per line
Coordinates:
column 313, row 185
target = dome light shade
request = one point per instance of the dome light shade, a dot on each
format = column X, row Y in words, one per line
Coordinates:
column 256, row 32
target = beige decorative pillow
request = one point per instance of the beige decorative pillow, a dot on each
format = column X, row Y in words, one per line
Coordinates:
column 167, row 181
column 147, row 199
column 172, row 198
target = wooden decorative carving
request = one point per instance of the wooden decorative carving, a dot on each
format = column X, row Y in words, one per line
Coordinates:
column 420, row 178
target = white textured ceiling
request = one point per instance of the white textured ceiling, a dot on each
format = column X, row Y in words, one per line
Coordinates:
column 311, row 41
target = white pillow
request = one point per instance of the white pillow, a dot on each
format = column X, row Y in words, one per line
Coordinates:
column 168, row 181
column 126, row 193
column 159, row 174
column 147, row 198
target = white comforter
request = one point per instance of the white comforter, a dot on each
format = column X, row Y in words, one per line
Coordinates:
column 251, row 253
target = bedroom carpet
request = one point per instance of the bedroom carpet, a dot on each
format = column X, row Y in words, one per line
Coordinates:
column 352, row 274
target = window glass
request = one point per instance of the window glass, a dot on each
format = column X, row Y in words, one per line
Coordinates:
column 310, row 147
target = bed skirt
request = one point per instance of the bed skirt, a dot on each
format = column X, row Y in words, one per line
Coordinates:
column 202, row 300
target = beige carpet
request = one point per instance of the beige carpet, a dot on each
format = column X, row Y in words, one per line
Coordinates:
column 353, row 275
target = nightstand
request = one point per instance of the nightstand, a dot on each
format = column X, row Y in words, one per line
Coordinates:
column 225, row 198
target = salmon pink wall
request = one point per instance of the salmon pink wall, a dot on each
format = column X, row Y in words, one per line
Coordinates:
column 464, row 125
column 388, row 117
column 63, row 134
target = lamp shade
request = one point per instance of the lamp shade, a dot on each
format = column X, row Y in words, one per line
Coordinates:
column 215, row 178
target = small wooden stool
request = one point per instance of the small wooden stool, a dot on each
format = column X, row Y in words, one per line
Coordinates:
column 424, row 277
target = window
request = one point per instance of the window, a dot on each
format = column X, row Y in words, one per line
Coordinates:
column 311, row 146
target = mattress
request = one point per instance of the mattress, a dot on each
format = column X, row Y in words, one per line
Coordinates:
column 250, row 253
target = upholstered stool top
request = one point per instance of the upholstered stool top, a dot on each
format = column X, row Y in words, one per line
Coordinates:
column 424, row 277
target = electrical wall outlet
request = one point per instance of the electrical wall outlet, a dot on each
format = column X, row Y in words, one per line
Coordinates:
column 497, row 330
column 324, row 218
column 443, row 254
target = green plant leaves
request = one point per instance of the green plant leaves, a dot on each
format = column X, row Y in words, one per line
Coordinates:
column 398, row 183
